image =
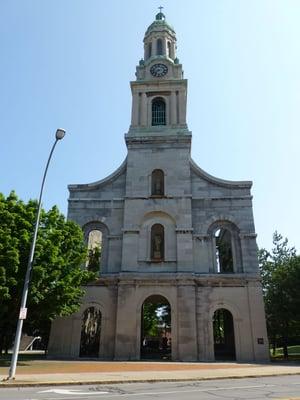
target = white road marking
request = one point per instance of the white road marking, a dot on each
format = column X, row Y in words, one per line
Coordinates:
column 197, row 390
column 72, row 392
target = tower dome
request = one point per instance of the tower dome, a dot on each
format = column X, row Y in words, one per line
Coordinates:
column 160, row 39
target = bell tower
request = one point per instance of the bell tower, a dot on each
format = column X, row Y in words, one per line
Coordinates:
column 159, row 92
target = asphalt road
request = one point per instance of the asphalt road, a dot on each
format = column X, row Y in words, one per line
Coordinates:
column 281, row 387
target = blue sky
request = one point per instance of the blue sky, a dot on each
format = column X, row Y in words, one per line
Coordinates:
column 68, row 63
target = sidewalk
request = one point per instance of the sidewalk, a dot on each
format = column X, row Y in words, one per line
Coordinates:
column 42, row 373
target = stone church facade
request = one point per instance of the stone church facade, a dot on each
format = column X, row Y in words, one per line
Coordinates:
column 168, row 230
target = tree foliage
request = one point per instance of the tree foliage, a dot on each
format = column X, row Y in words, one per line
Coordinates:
column 94, row 259
column 280, row 270
column 155, row 316
column 57, row 276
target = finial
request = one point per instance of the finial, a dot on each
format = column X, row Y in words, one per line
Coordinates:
column 160, row 15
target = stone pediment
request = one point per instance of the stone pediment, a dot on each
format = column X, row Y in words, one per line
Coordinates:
column 101, row 183
column 217, row 181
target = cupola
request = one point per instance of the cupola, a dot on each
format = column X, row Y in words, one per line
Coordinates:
column 160, row 39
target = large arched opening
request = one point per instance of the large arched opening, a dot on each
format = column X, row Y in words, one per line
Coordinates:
column 156, row 340
column 226, row 247
column 93, row 262
column 90, row 333
column 223, row 329
column 96, row 236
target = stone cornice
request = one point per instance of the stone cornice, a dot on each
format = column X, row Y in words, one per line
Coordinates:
column 251, row 235
column 233, row 197
column 131, row 230
column 173, row 82
column 178, row 279
column 90, row 199
column 114, row 237
column 202, row 237
column 132, row 140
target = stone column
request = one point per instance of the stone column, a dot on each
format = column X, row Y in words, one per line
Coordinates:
column 177, row 107
column 143, row 109
column 172, row 55
column 126, row 323
column 173, row 120
column 154, row 47
column 184, row 250
column 182, row 108
column 130, row 249
column 134, row 109
column 260, row 345
column 164, row 46
column 249, row 252
column 187, row 328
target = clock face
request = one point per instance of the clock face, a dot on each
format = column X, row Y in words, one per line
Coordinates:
column 159, row 70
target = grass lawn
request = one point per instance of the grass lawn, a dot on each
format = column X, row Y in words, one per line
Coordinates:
column 23, row 359
column 293, row 351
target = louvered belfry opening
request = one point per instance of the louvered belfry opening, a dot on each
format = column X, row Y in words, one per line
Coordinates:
column 158, row 112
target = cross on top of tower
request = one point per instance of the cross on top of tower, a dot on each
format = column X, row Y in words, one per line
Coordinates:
column 160, row 15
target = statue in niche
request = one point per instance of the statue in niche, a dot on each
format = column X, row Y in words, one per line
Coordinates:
column 157, row 187
column 157, row 242
column 157, row 247
column 157, row 183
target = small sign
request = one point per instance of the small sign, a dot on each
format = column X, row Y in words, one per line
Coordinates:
column 260, row 340
column 23, row 313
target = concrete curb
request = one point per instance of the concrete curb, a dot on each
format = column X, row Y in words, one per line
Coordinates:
column 14, row 384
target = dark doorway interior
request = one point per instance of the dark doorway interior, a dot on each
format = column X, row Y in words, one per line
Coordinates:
column 156, row 329
column 90, row 333
column 224, row 343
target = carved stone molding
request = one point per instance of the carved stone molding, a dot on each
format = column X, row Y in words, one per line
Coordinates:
column 187, row 230
column 114, row 237
column 252, row 235
column 134, row 231
column 202, row 238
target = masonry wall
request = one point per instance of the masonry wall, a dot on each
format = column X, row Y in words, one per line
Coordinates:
column 122, row 207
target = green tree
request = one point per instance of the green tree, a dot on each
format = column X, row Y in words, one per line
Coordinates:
column 94, row 259
column 155, row 315
column 57, row 276
column 280, row 271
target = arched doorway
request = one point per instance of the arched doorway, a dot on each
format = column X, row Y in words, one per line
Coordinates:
column 156, row 341
column 224, row 342
column 90, row 333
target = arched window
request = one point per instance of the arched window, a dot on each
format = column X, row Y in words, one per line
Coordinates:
column 157, row 183
column 224, row 251
column 94, row 250
column 159, row 47
column 96, row 239
column 169, row 49
column 157, row 242
column 158, row 112
column 90, row 333
column 149, row 50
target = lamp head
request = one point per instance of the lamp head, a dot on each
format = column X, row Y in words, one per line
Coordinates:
column 60, row 133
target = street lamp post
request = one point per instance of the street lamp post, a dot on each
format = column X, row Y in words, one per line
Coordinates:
column 60, row 133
